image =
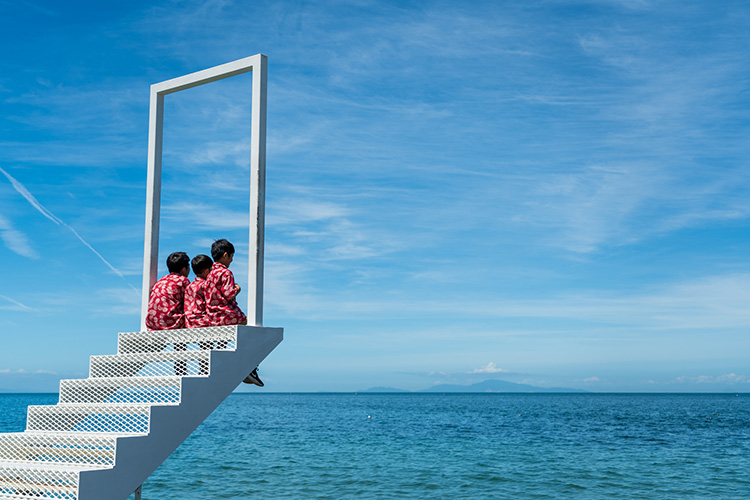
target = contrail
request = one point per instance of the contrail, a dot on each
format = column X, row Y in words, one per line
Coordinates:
column 35, row 203
column 22, row 306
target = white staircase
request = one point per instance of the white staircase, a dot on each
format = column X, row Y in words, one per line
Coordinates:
column 109, row 432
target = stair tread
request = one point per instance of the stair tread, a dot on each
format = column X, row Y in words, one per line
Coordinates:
column 153, row 356
column 31, row 435
column 145, row 406
column 42, row 466
column 94, row 380
column 207, row 330
column 94, row 434
column 52, row 465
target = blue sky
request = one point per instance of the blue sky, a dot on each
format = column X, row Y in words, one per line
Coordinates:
column 549, row 192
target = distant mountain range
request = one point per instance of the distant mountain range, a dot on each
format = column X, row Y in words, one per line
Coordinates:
column 485, row 386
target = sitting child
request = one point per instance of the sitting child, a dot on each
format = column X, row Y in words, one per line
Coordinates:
column 221, row 293
column 195, row 298
column 165, row 303
column 195, row 306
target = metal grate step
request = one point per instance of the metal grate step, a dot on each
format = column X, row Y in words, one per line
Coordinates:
column 39, row 481
column 192, row 339
column 76, row 449
column 161, row 364
column 150, row 390
column 127, row 419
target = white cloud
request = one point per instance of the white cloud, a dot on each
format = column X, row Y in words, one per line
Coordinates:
column 591, row 379
column 490, row 368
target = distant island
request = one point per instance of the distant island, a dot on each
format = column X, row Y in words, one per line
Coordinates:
column 485, row 386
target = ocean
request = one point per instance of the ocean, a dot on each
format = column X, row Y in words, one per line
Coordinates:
column 455, row 446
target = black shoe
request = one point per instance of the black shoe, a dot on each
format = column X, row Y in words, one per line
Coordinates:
column 254, row 379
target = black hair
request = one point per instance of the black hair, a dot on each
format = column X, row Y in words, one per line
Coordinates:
column 220, row 247
column 200, row 263
column 177, row 261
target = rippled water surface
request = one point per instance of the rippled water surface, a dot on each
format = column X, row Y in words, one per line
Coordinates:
column 456, row 446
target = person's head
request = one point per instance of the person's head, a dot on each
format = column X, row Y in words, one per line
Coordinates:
column 201, row 265
column 222, row 251
column 179, row 262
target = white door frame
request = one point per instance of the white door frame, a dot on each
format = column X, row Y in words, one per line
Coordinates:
column 258, row 64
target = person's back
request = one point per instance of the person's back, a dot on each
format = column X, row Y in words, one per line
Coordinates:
column 195, row 294
column 166, row 300
column 221, row 293
column 221, row 290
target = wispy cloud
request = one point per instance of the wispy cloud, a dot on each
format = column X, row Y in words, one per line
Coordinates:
column 717, row 302
column 49, row 215
column 15, row 240
column 21, row 371
column 119, row 301
column 205, row 216
column 728, row 378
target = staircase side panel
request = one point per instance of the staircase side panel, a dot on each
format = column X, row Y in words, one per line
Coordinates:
column 138, row 458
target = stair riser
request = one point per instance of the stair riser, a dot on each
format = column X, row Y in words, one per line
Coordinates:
column 129, row 391
column 185, row 363
column 19, row 482
column 104, row 418
column 220, row 337
column 82, row 450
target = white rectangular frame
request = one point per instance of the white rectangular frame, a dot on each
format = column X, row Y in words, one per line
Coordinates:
column 258, row 65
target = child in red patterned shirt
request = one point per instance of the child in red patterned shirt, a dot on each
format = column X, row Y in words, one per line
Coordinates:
column 195, row 294
column 195, row 308
column 166, row 301
column 221, row 295
column 221, row 290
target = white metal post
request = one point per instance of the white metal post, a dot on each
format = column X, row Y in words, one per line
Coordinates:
column 257, row 196
column 153, row 199
column 258, row 65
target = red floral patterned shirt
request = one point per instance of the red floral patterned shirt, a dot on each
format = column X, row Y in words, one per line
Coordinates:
column 165, row 304
column 195, row 304
column 221, row 305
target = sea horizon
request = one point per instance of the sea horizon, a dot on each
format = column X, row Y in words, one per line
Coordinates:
column 405, row 392
column 654, row 446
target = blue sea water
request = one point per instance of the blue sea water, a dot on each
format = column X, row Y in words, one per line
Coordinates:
column 456, row 446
